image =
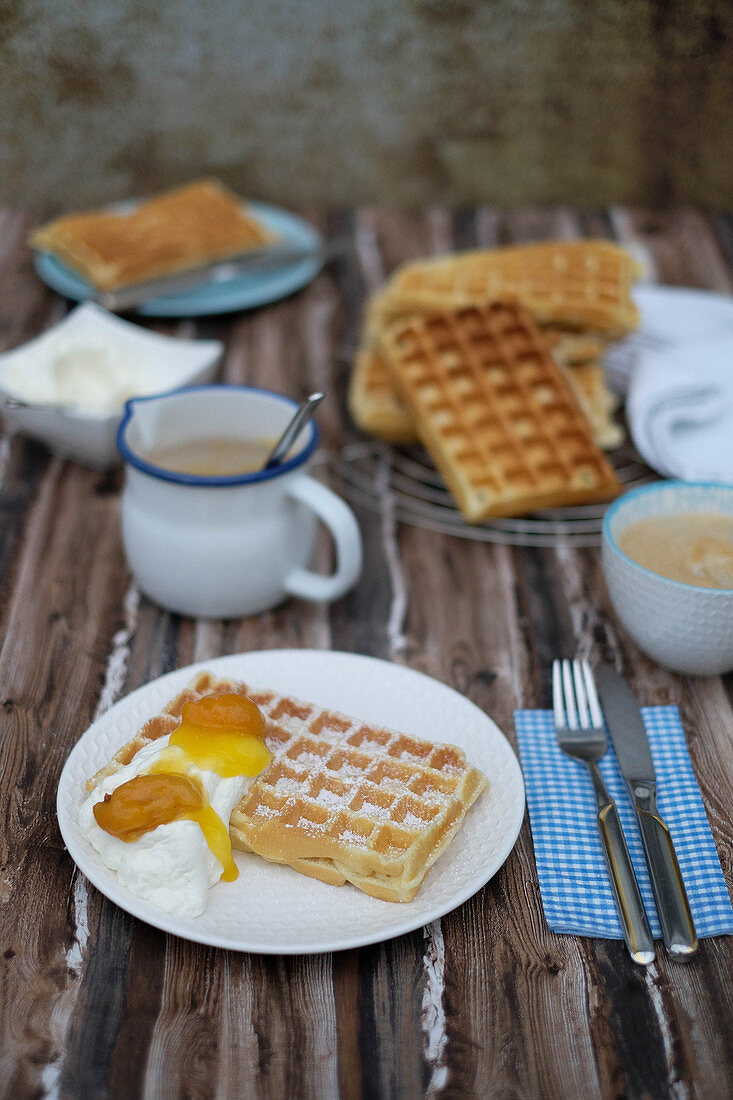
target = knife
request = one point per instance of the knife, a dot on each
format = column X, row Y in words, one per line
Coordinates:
column 256, row 261
column 635, row 762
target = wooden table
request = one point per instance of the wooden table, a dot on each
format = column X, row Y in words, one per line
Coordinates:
column 486, row 1001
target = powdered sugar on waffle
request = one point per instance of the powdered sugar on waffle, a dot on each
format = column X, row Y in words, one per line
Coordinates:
column 355, row 801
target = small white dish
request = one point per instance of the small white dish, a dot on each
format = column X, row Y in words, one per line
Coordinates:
column 71, row 430
column 683, row 627
column 272, row 909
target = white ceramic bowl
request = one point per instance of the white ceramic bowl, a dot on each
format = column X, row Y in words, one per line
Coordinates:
column 90, row 437
column 682, row 626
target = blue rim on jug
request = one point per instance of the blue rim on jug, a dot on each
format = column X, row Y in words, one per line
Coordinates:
column 136, row 460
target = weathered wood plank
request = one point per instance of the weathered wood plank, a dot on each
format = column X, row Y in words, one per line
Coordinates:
column 62, row 610
column 681, row 247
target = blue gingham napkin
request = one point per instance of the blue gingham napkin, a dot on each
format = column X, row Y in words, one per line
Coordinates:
column 576, row 892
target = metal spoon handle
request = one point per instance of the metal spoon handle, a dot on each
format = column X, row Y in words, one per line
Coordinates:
column 286, row 440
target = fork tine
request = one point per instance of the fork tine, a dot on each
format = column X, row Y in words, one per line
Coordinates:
column 567, row 679
column 558, row 704
column 593, row 702
column 581, row 695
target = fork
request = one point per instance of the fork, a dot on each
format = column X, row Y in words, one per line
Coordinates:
column 581, row 735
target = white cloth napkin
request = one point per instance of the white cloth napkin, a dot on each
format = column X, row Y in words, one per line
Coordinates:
column 680, row 410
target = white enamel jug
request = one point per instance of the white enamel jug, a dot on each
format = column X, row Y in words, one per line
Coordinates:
column 224, row 547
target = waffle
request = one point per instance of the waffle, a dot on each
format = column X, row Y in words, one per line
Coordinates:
column 495, row 411
column 342, row 800
column 345, row 801
column 180, row 229
column 160, row 725
column 373, row 400
column 572, row 349
column 377, row 409
column 580, row 284
column 597, row 402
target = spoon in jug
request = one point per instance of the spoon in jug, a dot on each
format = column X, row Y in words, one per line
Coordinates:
column 301, row 417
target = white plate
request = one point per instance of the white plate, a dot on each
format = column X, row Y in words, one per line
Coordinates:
column 670, row 317
column 273, row 909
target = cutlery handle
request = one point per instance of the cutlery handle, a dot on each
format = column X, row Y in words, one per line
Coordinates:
column 673, row 907
column 637, row 933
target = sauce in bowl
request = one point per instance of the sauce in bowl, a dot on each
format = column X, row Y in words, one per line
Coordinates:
column 692, row 547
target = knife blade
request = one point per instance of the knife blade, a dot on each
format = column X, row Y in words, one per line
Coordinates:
column 635, row 762
column 259, row 261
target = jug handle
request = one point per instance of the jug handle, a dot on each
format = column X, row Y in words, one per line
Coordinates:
column 341, row 522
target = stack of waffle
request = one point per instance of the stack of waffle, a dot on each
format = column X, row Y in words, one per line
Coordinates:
column 576, row 298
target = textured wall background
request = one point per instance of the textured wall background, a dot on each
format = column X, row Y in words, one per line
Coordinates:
column 339, row 101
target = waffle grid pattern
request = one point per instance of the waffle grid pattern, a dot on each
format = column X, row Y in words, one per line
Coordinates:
column 575, row 283
column 495, row 411
column 344, row 801
column 377, row 409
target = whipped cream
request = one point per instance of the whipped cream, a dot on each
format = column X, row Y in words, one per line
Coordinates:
column 171, row 866
column 91, row 378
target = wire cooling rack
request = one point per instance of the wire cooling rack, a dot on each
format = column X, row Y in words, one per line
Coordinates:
column 402, row 479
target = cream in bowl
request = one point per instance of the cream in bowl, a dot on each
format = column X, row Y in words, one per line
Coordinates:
column 67, row 387
column 690, row 547
column 668, row 562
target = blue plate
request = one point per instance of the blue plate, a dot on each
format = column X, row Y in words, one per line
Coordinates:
column 213, row 295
